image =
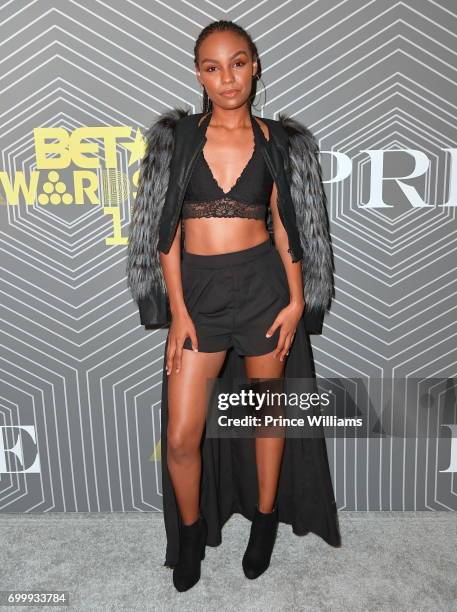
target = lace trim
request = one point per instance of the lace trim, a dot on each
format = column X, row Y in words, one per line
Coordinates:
column 222, row 207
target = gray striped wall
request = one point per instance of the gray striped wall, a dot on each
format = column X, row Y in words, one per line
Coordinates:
column 80, row 379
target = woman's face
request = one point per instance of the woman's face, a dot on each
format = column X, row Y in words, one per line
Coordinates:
column 225, row 68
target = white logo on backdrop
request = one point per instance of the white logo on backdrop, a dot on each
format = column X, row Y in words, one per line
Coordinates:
column 18, row 450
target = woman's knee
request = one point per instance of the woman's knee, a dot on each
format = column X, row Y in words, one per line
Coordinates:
column 181, row 444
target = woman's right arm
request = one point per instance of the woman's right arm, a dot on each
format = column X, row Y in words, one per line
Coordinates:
column 181, row 322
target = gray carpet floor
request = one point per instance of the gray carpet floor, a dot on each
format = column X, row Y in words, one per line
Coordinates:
column 399, row 561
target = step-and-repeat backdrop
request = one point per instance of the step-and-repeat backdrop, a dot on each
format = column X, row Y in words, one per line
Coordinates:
column 80, row 379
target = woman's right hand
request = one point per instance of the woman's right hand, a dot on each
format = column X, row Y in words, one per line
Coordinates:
column 181, row 327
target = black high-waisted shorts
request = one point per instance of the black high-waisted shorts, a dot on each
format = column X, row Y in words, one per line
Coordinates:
column 233, row 298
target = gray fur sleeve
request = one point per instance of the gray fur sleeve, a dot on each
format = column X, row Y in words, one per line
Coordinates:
column 142, row 255
column 143, row 270
column 310, row 203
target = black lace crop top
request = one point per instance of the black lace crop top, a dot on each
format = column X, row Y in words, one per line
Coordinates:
column 249, row 196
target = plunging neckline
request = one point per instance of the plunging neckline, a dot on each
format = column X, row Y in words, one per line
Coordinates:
column 243, row 171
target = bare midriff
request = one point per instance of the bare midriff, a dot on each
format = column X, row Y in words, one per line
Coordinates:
column 213, row 236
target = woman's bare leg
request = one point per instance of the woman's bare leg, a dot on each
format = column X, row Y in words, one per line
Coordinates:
column 187, row 404
column 268, row 451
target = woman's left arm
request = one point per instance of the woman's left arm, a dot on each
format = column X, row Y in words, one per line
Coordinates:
column 289, row 316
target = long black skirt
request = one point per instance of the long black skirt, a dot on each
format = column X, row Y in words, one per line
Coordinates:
column 305, row 497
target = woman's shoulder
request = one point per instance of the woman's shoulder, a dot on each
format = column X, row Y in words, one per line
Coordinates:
column 164, row 127
column 299, row 134
column 286, row 128
column 170, row 118
column 286, row 131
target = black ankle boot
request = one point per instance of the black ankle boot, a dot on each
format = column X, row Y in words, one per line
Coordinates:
column 262, row 538
column 192, row 543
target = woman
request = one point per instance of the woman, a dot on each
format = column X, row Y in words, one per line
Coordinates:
column 229, row 245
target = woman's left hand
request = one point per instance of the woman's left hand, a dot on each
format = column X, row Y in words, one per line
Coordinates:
column 287, row 319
